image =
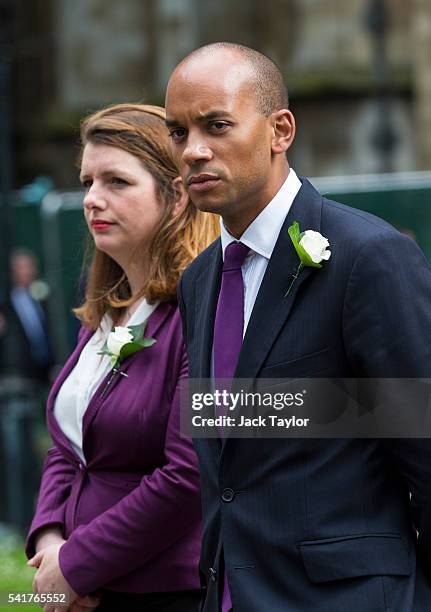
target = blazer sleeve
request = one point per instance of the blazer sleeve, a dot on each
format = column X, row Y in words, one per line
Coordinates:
column 56, row 482
column 163, row 508
column 387, row 323
column 57, row 476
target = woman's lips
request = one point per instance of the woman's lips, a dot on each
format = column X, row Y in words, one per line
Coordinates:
column 101, row 225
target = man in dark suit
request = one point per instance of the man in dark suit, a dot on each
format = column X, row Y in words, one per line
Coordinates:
column 24, row 336
column 298, row 525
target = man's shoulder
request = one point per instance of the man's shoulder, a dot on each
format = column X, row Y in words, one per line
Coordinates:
column 340, row 219
column 348, row 229
column 353, row 224
column 202, row 261
column 355, row 218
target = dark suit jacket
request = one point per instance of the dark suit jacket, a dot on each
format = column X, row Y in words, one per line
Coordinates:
column 15, row 348
column 132, row 514
column 320, row 525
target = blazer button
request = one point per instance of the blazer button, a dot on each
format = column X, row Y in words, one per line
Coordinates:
column 213, row 574
column 228, row 495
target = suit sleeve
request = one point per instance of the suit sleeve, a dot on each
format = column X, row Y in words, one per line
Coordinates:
column 164, row 508
column 387, row 309
column 57, row 476
column 387, row 325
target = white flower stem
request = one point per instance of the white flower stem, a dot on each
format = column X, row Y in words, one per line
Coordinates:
column 105, row 390
column 294, row 277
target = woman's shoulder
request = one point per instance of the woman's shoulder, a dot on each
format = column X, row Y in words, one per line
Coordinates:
column 167, row 354
column 164, row 324
column 166, row 319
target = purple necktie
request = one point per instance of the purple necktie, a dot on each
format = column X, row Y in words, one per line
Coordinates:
column 228, row 331
column 229, row 320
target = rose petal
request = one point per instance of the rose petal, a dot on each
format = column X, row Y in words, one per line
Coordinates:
column 118, row 338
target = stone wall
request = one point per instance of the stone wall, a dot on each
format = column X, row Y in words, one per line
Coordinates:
column 92, row 52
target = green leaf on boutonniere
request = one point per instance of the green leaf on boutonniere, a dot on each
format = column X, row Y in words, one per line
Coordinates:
column 295, row 236
column 105, row 351
column 133, row 347
column 122, row 342
column 311, row 248
column 131, row 341
column 138, row 331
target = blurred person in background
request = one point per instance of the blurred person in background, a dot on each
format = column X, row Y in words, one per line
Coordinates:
column 25, row 343
column 117, row 523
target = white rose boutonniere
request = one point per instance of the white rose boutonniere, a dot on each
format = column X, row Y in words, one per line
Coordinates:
column 311, row 247
column 121, row 343
column 117, row 338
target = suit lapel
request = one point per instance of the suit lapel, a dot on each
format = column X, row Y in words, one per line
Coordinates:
column 207, row 291
column 271, row 308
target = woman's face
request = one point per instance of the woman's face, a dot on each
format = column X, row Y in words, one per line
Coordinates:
column 120, row 204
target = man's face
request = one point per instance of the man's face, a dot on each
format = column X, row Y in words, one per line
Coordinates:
column 23, row 270
column 221, row 143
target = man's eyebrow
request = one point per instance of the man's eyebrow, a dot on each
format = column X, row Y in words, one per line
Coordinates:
column 171, row 123
column 216, row 114
column 211, row 116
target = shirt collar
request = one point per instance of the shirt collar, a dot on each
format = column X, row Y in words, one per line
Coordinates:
column 262, row 234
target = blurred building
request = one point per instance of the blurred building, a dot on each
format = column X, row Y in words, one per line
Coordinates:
column 360, row 88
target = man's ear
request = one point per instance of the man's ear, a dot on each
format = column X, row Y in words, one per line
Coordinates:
column 182, row 197
column 283, row 130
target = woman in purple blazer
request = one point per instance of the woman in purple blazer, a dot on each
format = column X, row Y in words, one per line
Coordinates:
column 117, row 523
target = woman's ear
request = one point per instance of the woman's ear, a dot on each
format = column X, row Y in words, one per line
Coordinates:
column 182, row 197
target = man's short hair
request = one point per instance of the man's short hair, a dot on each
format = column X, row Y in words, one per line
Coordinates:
column 268, row 85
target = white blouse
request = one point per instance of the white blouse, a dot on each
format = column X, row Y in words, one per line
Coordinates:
column 79, row 387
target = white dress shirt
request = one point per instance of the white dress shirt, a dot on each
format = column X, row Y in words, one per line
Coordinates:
column 79, row 387
column 261, row 236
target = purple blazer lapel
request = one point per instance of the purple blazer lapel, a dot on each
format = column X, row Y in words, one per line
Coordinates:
column 154, row 322
column 157, row 317
column 84, row 337
column 53, row 426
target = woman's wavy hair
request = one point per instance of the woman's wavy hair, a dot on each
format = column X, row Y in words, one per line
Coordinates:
column 140, row 130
